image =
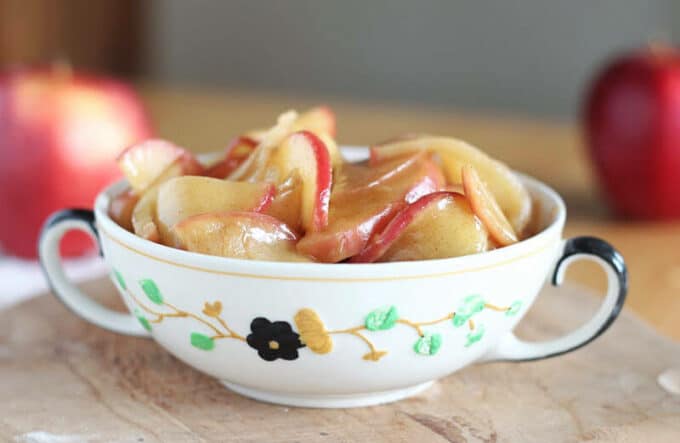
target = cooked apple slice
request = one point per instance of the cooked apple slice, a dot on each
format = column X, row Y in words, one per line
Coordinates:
column 455, row 188
column 307, row 154
column 486, row 208
column 333, row 150
column 236, row 153
column 121, row 207
column 256, row 134
column 508, row 190
column 286, row 205
column 256, row 165
column 319, row 120
column 142, row 164
column 364, row 200
column 186, row 196
column 357, row 177
column 144, row 220
column 438, row 225
column 246, row 235
column 398, row 138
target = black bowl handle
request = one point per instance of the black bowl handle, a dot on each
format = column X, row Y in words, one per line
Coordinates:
column 511, row 348
column 48, row 249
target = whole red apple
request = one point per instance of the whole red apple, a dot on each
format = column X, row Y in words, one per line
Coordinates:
column 632, row 121
column 60, row 133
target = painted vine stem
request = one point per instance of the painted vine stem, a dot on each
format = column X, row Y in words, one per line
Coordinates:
column 277, row 339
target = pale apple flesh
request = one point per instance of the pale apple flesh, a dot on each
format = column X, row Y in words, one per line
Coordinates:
column 359, row 177
column 363, row 202
column 238, row 234
column 187, row 196
column 144, row 220
column 485, row 206
column 144, row 162
column 438, row 225
column 287, row 204
column 307, row 154
column 333, row 151
column 506, row 187
column 319, row 120
column 258, row 166
column 255, row 167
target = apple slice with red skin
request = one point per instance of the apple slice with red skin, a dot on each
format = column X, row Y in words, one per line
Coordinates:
column 486, row 208
column 255, row 167
column 307, row 154
column 186, row 196
column 364, row 200
column 238, row 150
column 506, row 187
column 333, row 151
column 121, row 207
column 319, row 120
column 260, row 166
column 238, row 234
column 438, row 225
column 143, row 163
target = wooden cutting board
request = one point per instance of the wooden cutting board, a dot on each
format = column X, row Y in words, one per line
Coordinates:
column 62, row 380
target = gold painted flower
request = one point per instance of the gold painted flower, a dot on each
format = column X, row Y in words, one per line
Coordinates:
column 213, row 309
column 313, row 332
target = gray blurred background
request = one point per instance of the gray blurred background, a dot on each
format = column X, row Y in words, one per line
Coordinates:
column 526, row 56
column 530, row 57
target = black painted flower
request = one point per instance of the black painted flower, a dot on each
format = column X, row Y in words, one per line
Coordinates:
column 274, row 339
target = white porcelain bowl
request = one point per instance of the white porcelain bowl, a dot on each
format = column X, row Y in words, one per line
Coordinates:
column 332, row 335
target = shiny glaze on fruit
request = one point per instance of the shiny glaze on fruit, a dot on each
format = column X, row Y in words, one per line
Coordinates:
column 289, row 195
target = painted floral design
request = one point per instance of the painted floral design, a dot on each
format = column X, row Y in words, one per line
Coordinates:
column 275, row 340
column 428, row 344
column 313, row 333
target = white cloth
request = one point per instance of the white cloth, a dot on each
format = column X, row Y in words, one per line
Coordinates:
column 23, row 279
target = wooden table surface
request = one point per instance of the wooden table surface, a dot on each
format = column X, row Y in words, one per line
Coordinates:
column 63, row 380
column 553, row 152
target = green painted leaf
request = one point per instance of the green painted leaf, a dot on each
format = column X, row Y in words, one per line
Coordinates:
column 459, row 320
column 119, row 278
column 428, row 344
column 475, row 335
column 143, row 320
column 151, row 290
column 472, row 304
column 514, row 308
column 382, row 318
column 202, row 341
